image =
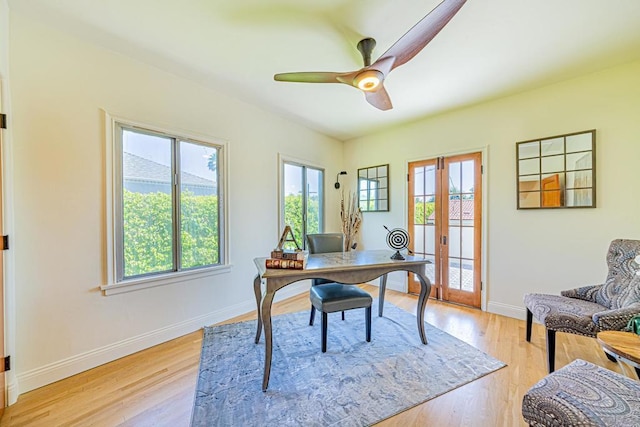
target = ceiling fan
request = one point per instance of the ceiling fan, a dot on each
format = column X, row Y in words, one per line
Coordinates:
column 370, row 78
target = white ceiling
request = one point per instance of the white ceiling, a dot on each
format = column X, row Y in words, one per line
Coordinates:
column 491, row 48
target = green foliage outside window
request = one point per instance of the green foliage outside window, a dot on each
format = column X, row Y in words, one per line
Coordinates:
column 422, row 211
column 199, row 230
column 148, row 232
column 293, row 217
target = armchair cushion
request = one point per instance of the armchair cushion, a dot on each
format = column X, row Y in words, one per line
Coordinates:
column 564, row 314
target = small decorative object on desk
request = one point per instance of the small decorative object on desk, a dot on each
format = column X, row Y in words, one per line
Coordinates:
column 286, row 258
column 287, row 254
column 287, row 236
column 293, row 264
column 397, row 239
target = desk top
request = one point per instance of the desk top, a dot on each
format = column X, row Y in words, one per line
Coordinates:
column 624, row 344
column 352, row 260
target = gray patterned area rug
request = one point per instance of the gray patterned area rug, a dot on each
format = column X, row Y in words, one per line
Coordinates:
column 354, row 383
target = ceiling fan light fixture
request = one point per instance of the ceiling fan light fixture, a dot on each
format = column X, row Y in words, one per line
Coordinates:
column 368, row 80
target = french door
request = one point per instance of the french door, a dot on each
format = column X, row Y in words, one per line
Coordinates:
column 445, row 217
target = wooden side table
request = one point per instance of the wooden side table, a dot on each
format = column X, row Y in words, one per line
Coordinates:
column 624, row 346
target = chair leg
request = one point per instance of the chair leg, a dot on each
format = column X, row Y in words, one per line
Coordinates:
column 551, row 349
column 343, row 315
column 324, row 332
column 529, row 322
column 368, row 322
column 313, row 315
column 610, row 357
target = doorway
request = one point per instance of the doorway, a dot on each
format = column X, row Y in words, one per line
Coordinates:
column 445, row 225
column 2, row 248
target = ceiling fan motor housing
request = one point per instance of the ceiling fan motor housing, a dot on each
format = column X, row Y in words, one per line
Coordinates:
column 365, row 46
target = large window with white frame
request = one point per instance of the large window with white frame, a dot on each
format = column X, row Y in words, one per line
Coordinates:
column 302, row 204
column 168, row 203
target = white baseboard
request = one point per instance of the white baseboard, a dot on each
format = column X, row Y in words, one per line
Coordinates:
column 12, row 391
column 508, row 310
column 52, row 372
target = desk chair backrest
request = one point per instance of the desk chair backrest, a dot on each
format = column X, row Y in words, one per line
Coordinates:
column 325, row 242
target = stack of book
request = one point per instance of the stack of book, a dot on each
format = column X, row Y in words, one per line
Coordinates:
column 286, row 259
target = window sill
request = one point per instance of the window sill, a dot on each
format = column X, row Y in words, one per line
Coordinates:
column 165, row 279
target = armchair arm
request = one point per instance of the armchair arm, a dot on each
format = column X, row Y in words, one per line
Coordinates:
column 616, row 320
column 586, row 293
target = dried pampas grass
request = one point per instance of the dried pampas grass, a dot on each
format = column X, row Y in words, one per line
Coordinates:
column 351, row 217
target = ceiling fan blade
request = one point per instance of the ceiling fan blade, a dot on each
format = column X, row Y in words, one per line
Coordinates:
column 379, row 99
column 422, row 33
column 311, row 77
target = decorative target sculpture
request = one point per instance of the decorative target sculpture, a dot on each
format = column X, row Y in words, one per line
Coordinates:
column 397, row 239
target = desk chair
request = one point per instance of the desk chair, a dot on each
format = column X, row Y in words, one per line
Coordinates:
column 329, row 297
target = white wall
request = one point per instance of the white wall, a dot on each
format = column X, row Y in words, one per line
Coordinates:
column 60, row 84
column 528, row 250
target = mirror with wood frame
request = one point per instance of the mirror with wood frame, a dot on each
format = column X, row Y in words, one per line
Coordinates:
column 373, row 188
column 557, row 171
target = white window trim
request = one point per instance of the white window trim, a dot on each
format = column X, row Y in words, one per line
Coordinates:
column 112, row 287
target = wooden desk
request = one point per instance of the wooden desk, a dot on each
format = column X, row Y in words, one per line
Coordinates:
column 351, row 267
column 624, row 346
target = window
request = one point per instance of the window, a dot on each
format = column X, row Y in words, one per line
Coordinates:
column 168, row 204
column 302, row 204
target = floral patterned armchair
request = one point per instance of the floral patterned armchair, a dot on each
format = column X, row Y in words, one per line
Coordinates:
column 591, row 309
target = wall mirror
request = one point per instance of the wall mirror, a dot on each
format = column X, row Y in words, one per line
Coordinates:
column 557, row 172
column 373, row 188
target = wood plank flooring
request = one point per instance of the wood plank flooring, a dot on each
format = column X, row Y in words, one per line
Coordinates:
column 155, row 387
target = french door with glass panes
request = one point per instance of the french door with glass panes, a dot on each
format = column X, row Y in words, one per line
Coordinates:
column 445, row 217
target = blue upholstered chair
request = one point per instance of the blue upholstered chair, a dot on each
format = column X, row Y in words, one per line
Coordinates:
column 329, row 297
column 591, row 309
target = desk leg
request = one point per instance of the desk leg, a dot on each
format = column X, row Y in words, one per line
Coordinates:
column 425, row 290
column 266, row 321
column 258, row 292
column 381, row 290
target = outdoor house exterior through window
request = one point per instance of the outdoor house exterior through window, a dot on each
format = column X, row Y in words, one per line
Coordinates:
column 168, row 203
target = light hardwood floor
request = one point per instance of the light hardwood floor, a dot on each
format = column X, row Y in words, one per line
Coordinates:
column 155, row 387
